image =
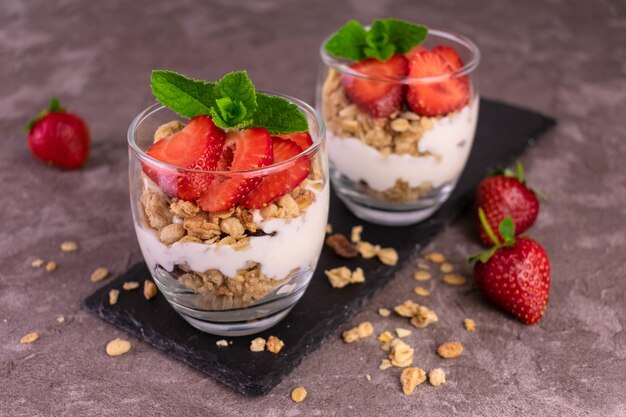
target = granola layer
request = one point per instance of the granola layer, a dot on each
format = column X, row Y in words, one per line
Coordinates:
column 397, row 134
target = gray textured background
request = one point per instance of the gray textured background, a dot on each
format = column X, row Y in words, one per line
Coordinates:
column 567, row 59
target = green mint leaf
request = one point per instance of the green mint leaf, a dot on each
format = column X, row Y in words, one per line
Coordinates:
column 186, row 96
column 230, row 114
column 348, row 42
column 239, row 88
column 507, row 230
column 404, row 35
column 278, row 116
column 384, row 38
column 377, row 39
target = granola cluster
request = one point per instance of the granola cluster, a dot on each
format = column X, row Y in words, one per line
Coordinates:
column 183, row 221
column 248, row 285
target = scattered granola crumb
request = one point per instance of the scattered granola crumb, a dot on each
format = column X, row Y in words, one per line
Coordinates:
column 61, row 319
column 450, row 350
column 99, row 274
column 388, row 256
column 423, row 266
column 29, row 338
column 368, row 377
column 69, row 246
column 421, row 291
column 401, row 354
column 257, row 345
column 221, row 343
column 411, row 378
column 386, row 337
column 359, row 332
column 454, row 279
column 355, row 235
column 403, row 332
column 437, row 377
column 149, row 289
column 385, row 364
column 342, row 276
column 470, row 325
column 435, row 257
column 114, row 295
column 422, row 276
column 446, row 267
column 341, row 246
column 421, row 316
column 274, row 344
column 329, row 228
column 51, row 266
column 117, row 347
column 130, row 285
column 384, row 312
column 298, row 394
column 37, row 263
column 367, row 250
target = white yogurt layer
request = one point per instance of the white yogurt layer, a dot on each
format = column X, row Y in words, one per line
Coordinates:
column 297, row 243
column 449, row 143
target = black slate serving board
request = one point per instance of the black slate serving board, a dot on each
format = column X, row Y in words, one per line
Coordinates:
column 503, row 133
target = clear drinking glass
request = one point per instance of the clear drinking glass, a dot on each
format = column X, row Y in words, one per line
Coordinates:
column 221, row 284
column 400, row 169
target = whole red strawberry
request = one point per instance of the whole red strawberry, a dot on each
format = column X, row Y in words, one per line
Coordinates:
column 514, row 274
column 505, row 194
column 59, row 138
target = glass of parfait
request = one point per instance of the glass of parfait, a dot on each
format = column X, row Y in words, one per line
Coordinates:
column 401, row 114
column 230, row 221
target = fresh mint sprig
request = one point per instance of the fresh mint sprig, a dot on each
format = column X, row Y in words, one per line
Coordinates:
column 232, row 102
column 384, row 38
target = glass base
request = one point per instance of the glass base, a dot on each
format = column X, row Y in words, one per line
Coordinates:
column 237, row 329
column 216, row 315
column 389, row 213
column 389, row 218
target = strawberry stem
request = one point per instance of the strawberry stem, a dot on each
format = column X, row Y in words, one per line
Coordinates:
column 520, row 171
column 488, row 229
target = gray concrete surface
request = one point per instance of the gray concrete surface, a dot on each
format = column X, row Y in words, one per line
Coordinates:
column 564, row 58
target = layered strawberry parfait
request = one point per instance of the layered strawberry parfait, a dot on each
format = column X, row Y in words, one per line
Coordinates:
column 230, row 205
column 401, row 107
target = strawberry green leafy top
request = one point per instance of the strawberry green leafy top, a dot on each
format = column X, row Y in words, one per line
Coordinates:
column 232, row 102
column 384, row 38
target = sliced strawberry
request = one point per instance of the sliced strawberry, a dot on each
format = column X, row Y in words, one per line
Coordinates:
column 414, row 51
column 449, row 54
column 302, row 139
column 244, row 150
column 276, row 185
column 378, row 98
column 197, row 147
column 435, row 98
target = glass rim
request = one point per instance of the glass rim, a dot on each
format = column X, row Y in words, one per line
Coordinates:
column 265, row 170
column 342, row 65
